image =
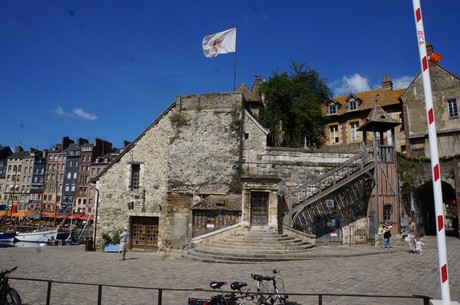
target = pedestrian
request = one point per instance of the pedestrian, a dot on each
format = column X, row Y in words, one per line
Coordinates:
column 386, row 235
column 123, row 240
column 411, row 234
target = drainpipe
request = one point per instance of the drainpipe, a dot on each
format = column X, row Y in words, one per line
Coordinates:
column 95, row 218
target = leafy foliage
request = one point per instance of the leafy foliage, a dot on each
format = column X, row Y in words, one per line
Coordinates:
column 293, row 107
column 110, row 239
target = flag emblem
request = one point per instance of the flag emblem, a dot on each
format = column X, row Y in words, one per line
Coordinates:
column 219, row 43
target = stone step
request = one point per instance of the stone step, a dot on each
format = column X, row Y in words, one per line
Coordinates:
column 258, row 240
column 242, row 257
column 251, row 251
column 251, row 246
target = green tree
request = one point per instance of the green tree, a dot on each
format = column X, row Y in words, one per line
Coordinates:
column 293, row 107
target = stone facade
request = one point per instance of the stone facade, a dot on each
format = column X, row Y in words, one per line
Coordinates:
column 445, row 86
column 193, row 148
column 200, row 146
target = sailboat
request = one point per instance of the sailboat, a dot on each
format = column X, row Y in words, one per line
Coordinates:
column 7, row 237
column 38, row 236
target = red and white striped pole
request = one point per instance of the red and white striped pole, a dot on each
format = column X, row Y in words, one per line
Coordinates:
column 436, row 171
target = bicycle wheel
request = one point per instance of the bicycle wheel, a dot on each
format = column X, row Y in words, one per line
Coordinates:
column 12, row 297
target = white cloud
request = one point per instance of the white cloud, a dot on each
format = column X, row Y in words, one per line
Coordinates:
column 402, row 82
column 81, row 113
column 350, row 84
column 60, row 111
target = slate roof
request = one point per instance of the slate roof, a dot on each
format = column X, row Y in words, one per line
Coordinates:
column 231, row 202
column 367, row 100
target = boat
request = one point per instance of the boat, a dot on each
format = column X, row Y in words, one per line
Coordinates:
column 38, row 236
column 7, row 237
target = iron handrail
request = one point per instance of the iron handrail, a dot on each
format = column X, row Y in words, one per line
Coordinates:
column 425, row 299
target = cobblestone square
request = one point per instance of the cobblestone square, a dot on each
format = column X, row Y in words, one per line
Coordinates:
column 331, row 269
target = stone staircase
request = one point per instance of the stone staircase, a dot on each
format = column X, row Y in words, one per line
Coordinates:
column 254, row 245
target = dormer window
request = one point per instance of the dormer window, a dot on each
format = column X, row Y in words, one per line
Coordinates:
column 352, row 104
column 332, row 108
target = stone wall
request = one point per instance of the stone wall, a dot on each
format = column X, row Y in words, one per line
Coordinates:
column 198, row 147
column 444, row 86
column 194, row 147
column 294, row 166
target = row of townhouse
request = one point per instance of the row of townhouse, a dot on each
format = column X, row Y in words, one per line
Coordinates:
column 55, row 179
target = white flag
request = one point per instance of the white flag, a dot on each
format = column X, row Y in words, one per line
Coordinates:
column 220, row 43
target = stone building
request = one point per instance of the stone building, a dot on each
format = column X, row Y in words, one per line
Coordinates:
column 446, row 96
column 194, row 148
column 347, row 113
column 173, row 181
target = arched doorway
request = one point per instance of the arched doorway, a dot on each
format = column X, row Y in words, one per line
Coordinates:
column 425, row 211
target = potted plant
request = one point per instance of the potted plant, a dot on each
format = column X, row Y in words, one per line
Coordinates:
column 110, row 242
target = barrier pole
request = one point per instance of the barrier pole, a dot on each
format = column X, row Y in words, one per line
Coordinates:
column 435, row 168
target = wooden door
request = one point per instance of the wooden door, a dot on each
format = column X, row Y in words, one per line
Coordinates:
column 144, row 235
column 259, row 208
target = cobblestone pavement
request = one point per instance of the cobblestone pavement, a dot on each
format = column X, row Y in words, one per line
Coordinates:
column 335, row 270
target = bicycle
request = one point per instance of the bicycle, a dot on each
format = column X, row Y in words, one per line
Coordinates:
column 225, row 299
column 264, row 296
column 8, row 295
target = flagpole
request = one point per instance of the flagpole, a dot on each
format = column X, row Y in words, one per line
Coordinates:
column 234, row 64
column 234, row 73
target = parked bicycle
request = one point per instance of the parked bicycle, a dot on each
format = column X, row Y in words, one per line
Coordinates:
column 267, row 296
column 8, row 295
column 241, row 298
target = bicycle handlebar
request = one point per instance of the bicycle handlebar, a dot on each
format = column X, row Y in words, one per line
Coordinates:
column 5, row 272
column 261, row 278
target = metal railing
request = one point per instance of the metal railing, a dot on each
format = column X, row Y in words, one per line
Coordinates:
column 160, row 292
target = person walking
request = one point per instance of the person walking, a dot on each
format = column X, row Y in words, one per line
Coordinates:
column 411, row 234
column 123, row 241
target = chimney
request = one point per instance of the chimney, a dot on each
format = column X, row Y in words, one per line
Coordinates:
column 256, row 84
column 66, row 141
column 429, row 49
column 387, row 84
column 81, row 141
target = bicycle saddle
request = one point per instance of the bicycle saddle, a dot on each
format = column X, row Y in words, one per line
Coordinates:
column 216, row 285
column 238, row 285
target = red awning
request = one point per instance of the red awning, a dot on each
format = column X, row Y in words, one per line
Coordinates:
column 86, row 217
column 62, row 215
column 76, row 216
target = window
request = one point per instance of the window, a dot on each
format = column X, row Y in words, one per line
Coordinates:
column 453, row 108
column 354, row 133
column 135, row 176
column 332, row 108
column 352, row 104
column 387, row 212
column 334, row 134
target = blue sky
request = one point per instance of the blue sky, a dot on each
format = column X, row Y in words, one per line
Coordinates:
column 107, row 69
